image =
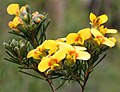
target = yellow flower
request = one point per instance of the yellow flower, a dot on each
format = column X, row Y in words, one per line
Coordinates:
column 16, row 21
column 78, row 38
column 75, row 52
column 100, row 39
column 97, row 21
column 13, row 9
column 51, row 61
column 106, row 30
column 85, row 33
column 34, row 53
column 51, row 45
column 37, row 53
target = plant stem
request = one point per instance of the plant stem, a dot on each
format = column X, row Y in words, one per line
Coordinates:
column 86, row 76
column 47, row 79
column 49, row 82
column 51, row 85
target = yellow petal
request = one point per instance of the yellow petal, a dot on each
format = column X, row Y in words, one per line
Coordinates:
column 54, row 66
column 80, row 48
column 40, row 48
column 37, row 55
column 111, row 31
column 16, row 21
column 96, row 33
column 83, row 55
column 102, row 29
column 92, row 17
column 103, row 18
column 22, row 9
column 113, row 39
column 31, row 53
column 108, row 42
column 48, row 44
column 85, row 33
column 65, row 47
column 53, row 50
column 59, row 55
column 44, row 64
column 71, row 38
column 13, row 9
column 11, row 24
column 97, row 40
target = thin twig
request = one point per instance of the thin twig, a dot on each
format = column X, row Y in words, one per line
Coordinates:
column 30, row 74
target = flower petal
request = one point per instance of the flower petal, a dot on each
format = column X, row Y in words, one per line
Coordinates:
column 80, row 48
column 96, row 33
column 16, row 21
column 44, row 64
column 111, row 31
column 71, row 38
column 92, row 17
column 31, row 53
column 103, row 18
column 59, row 55
column 83, row 55
column 53, row 50
column 108, row 42
column 48, row 44
column 65, row 47
column 85, row 33
column 13, row 9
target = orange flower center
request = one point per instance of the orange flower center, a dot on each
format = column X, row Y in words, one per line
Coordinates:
column 96, row 21
column 100, row 38
column 73, row 53
column 52, row 61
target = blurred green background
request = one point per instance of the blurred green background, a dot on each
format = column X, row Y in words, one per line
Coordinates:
column 66, row 16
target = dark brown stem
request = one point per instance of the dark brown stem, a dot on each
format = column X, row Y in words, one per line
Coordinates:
column 49, row 82
column 51, row 85
column 86, row 76
column 47, row 79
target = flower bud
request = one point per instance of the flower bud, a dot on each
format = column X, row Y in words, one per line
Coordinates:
column 37, row 20
column 41, row 16
column 55, row 67
column 70, row 61
column 14, row 43
column 27, row 8
column 7, row 46
column 23, row 10
column 17, row 50
column 22, row 46
column 25, row 18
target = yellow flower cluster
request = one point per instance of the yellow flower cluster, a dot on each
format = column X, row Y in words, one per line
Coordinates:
column 13, row 9
column 73, row 57
column 22, row 15
column 52, row 53
column 97, row 31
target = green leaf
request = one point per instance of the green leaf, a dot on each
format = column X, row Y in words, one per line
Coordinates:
column 99, row 60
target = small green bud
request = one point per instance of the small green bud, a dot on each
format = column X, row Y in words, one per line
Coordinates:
column 37, row 20
column 28, row 8
column 13, row 43
column 41, row 16
column 17, row 50
column 7, row 46
column 21, row 43
column 69, row 62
